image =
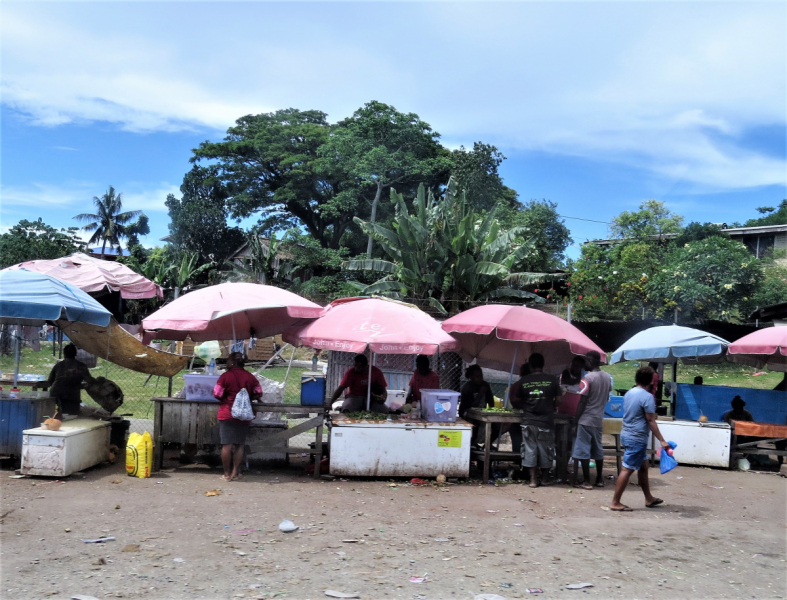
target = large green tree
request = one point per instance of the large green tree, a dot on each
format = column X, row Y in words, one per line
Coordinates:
column 35, row 240
column 198, row 219
column 710, row 278
column 547, row 231
column 771, row 215
column 380, row 147
column 270, row 166
column 652, row 219
column 109, row 224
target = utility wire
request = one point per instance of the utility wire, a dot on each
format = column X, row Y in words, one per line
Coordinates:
column 581, row 219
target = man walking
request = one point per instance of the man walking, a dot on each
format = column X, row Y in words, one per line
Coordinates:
column 537, row 395
column 639, row 417
column 594, row 389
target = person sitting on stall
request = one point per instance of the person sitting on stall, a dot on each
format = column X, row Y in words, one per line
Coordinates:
column 573, row 375
column 738, row 413
column 233, row 432
column 65, row 382
column 538, row 395
column 423, row 379
column 356, row 382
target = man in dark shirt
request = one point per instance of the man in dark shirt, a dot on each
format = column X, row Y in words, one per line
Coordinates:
column 537, row 395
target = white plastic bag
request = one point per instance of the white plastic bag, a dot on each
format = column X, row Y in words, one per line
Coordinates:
column 241, row 407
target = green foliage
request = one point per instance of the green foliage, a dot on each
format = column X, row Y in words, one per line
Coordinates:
column 652, row 219
column 772, row 216
column 270, row 165
column 710, row 278
column 446, row 251
column 263, row 262
column 111, row 226
column 694, row 232
column 198, row 220
column 379, row 147
column 476, row 174
column 546, row 229
column 35, row 240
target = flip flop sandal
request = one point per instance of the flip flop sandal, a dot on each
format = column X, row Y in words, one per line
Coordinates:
column 623, row 509
column 584, row 486
column 655, row 503
column 599, row 484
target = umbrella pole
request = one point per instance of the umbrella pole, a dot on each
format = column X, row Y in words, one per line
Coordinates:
column 16, row 355
column 369, row 386
column 511, row 377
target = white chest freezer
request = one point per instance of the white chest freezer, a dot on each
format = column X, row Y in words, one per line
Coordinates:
column 706, row 444
column 399, row 448
column 77, row 445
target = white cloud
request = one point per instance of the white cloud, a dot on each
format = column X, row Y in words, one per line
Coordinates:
column 78, row 197
column 668, row 87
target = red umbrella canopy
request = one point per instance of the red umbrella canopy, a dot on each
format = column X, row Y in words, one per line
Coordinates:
column 763, row 348
column 495, row 334
column 227, row 310
column 385, row 326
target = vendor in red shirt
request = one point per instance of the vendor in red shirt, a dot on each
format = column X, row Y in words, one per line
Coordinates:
column 423, row 379
column 356, row 382
column 232, row 432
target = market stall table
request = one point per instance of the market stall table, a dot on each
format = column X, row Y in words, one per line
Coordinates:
column 753, row 434
column 37, row 382
column 563, row 428
column 399, row 447
column 182, row 421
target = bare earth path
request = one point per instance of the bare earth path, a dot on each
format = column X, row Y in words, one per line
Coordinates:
column 719, row 534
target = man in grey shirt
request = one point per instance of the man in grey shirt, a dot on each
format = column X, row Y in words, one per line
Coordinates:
column 594, row 389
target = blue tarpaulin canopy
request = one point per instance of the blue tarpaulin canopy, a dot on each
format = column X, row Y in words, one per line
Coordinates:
column 28, row 298
column 669, row 343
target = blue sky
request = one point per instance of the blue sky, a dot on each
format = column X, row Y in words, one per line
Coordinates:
column 597, row 106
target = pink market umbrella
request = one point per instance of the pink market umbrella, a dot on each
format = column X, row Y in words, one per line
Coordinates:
column 763, row 348
column 384, row 326
column 229, row 310
column 499, row 335
column 95, row 276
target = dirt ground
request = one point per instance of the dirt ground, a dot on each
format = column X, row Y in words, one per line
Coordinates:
column 720, row 534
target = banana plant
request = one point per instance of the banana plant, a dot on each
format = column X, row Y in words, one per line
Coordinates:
column 445, row 250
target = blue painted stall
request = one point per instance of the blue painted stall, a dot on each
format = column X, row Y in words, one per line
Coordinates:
column 766, row 406
column 20, row 414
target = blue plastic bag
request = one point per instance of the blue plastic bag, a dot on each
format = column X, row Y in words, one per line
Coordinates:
column 667, row 462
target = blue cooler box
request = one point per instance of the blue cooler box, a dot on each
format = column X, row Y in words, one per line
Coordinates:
column 614, row 407
column 313, row 388
column 439, row 406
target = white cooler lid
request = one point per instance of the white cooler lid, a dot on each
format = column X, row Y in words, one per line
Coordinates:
column 69, row 428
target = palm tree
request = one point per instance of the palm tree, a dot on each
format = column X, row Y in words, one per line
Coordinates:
column 109, row 224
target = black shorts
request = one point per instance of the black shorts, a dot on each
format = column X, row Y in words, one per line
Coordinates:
column 233, row 432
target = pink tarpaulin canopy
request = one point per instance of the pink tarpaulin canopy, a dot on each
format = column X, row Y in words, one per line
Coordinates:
column 384, row 326
column 497, row 335
column 229, row 310
column 763, row 348
column 95, row 276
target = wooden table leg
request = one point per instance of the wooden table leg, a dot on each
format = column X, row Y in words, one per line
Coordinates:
column 487, row 449
column 318, row 450
column 158, row 446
